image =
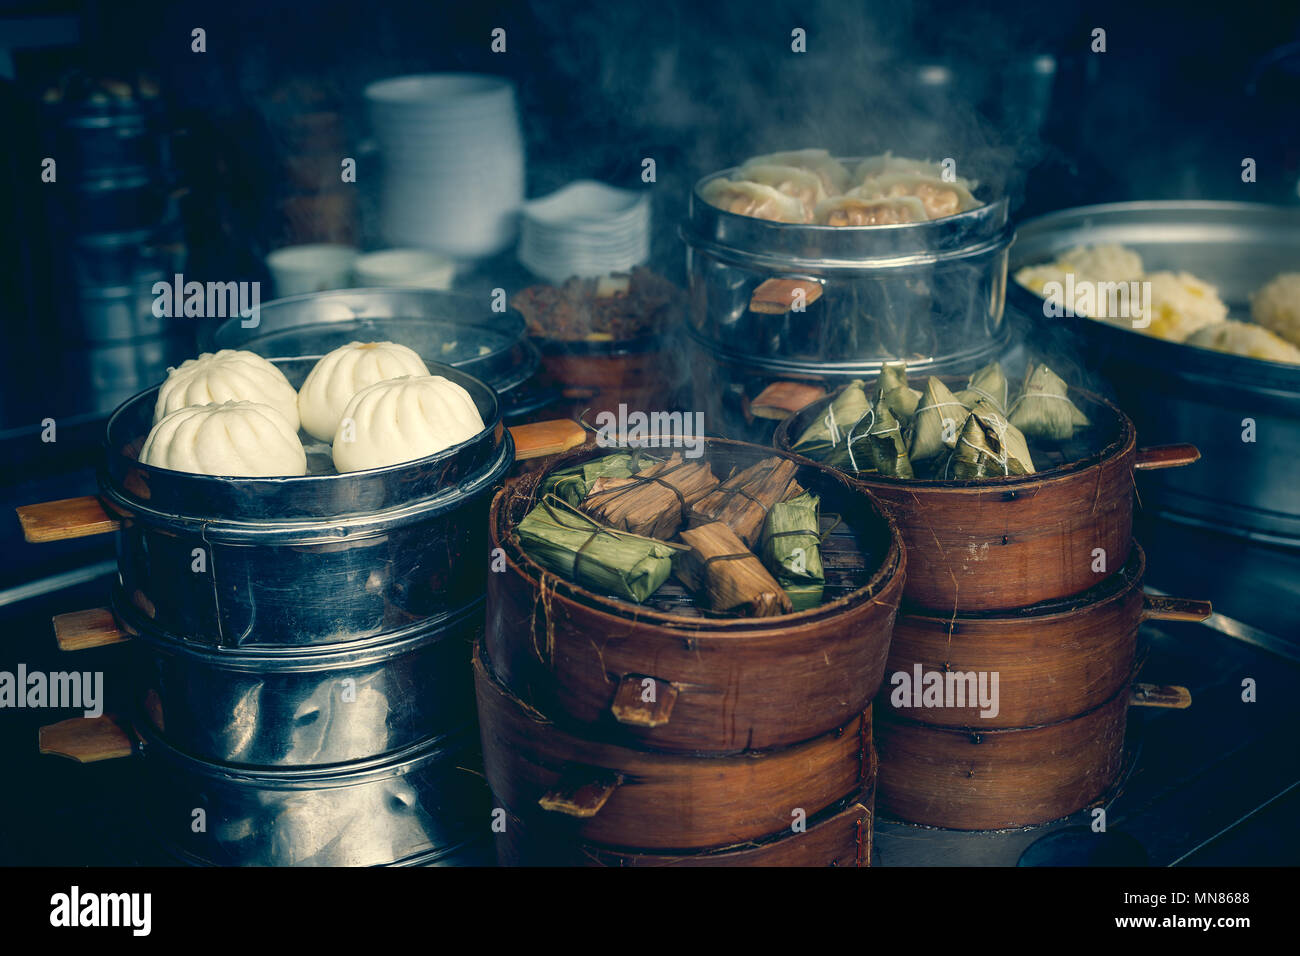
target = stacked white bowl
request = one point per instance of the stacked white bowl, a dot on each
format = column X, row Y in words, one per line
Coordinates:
column 453, row 156
column 585, row 229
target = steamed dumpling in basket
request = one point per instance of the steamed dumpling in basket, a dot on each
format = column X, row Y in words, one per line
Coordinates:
column 754, row 199
column 229, row 375
column 230, row 440
column 403, row 419
column 338, row 376
column 888, row 164
column 805, row 186
column 939, row 198
column 834, row 177
column 853, row 210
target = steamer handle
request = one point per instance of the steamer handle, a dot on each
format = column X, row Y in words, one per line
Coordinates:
column 1166, row 456
column 64, row 519
column 776, row 296
column 82, row 630
column 87, row 739
column 1163, row 696
column 547, row 438
column 1158, row 607
column 631, row 706
column 581, row 797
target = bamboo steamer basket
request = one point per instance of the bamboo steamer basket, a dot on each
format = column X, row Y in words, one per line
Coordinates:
column 619, row 797
column 998, row 543
column 841, row 835
column 721, row 685
column 979, row 779
column 1053, row 661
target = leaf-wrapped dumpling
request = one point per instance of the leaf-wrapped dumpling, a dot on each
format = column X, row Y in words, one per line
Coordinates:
column 939, row 417
column 1043, row 408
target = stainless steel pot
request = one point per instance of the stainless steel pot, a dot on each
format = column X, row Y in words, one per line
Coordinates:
column 424, row 805
column 929, row 292
column 1245, row 488
column 306, row 706
column 451, row 328
column 324, row 558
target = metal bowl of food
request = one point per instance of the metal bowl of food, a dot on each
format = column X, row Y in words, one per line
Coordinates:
column 1244, row 412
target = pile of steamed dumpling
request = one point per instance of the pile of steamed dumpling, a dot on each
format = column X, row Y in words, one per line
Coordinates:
column 811, row 186
column 234, row 414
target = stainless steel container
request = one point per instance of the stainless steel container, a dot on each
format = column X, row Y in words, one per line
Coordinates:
column 931, row 293
column 446, row 327
column 1247, row 488
column 421, row 806
column 319, row 559
column 306, row 706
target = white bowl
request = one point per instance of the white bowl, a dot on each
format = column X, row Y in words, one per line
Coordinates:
column 313, row 267
column 404, row 268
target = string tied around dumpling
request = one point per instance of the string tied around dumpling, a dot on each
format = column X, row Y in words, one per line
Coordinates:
column 1003, row 460
column 853, row 461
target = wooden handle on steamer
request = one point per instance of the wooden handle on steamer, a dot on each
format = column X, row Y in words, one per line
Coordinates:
column 1166, row 456
column 87, row 739
column 631, row 707
column 777, row 296
column 82, row 630
column 782, row 399
column 64, row 519
column 547, row 438
column 1165, row 696
column 580, row 796
column 1158, row 607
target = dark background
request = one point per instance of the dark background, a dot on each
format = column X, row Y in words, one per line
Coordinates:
column 1181, row 95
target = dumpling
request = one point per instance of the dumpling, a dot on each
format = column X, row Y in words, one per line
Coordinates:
column 338, row 376
column 856, row 211
column 834, row 177
column 805, row 186
column 938, row 197
column 233, row 439
column 1179, row 305
column 403, row 419
column 1277, row 306
column 227, row 376
column 1103, row 263
column 754, row 199
column 887, row 164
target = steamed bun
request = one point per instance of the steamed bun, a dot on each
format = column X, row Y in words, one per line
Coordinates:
column 234, row 440
column 341, row 374
column 227, row 376
column 402, row 419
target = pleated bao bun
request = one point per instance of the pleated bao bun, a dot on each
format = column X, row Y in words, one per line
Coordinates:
column 342, row 374
column 403, row 419
column 232, row 440
column 227, row 376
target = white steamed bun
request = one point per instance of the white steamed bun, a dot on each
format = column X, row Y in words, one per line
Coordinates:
column 402, row 419
column 227, row 376
column 338, row 376
column 234, row 439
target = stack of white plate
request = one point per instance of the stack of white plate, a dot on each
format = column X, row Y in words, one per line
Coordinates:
column 585, row 229
column 453, row 159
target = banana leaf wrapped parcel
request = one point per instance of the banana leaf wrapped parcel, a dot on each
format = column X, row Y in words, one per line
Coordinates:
column 791, row 549
column 573, row 483
column 939, row 418
column 826, row 439
column 569, row 543
column 892, row 388
column 989, row 446
column 989, row 385
column 729, row 576
column 1043, row 408
column 654, row 502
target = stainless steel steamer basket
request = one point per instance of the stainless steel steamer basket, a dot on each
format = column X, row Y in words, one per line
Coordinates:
column 1244, row 488
column 458, row 330
column 320, row 559
column 415, row 807
column 927, row 292
column 305, row 706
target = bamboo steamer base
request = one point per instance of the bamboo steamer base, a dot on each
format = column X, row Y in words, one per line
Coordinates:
column 973, row 779
column 841, row 835
column 617, row 796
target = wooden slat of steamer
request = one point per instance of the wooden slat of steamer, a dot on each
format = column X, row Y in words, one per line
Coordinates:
column 87, row 739
column 839, row 836
column 81, row 630
column 777, row 296
column 665, row 801
column 64, row 519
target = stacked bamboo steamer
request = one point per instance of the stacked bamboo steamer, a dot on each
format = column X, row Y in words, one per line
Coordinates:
column 647, row 736
column 1013, row 659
